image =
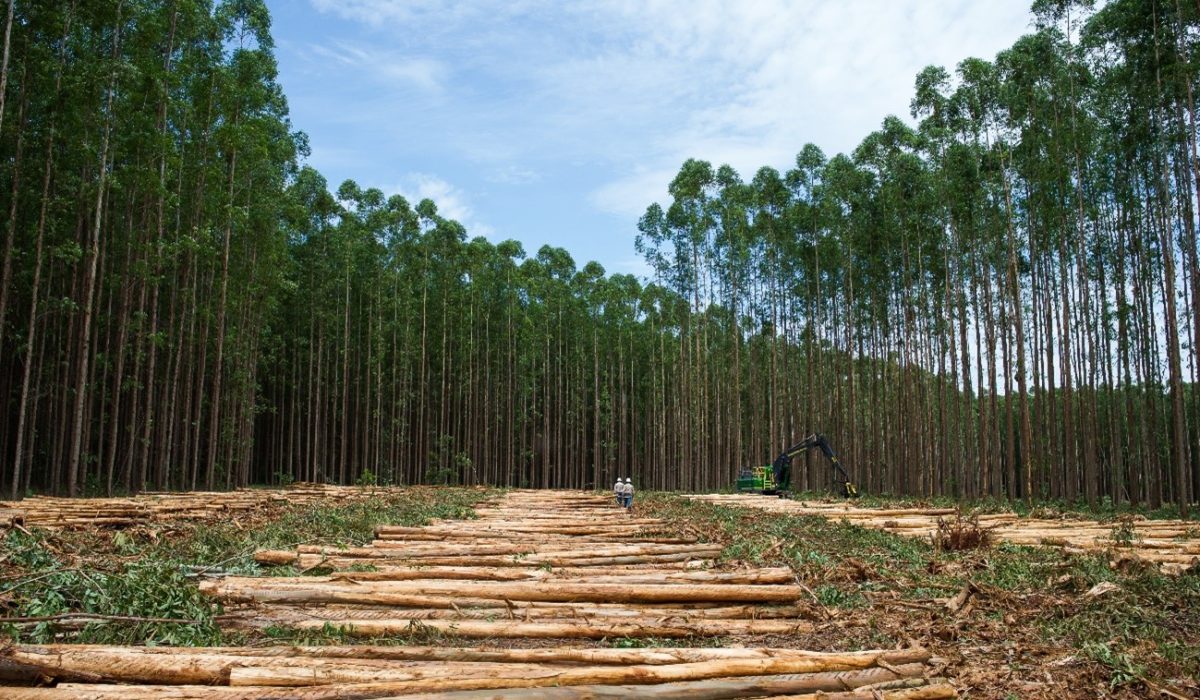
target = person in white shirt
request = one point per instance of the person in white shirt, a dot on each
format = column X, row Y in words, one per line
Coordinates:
column 628, row 493
column 619, row 492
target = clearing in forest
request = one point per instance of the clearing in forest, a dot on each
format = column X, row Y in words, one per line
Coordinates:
column 253, row 594
column 536, row 582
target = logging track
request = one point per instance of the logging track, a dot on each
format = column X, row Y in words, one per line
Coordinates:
column 568, row 569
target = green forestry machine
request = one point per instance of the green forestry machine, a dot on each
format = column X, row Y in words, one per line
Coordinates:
column 777, row 478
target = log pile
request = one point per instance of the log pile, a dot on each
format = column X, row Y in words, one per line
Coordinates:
column 535, row 564
column 1173, row 545
column 349, row 673
column 146, row 508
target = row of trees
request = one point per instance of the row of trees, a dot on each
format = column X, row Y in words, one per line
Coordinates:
column 1001, row 301
column 145, row 150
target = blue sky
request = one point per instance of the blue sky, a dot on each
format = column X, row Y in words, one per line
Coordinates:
column 560, row 122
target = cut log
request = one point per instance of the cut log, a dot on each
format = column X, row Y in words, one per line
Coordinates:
column 283, row 616
column 1168, row 543
column 648, row 681
column 696, row 690
column 750, row 577
column 534, row 678
column 52, row 660
column 260, row 588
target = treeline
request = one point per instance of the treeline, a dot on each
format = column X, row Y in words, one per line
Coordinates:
column 1000, row 302
column 146, row 152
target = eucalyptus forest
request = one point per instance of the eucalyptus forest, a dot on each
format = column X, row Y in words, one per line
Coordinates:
column 994, row 295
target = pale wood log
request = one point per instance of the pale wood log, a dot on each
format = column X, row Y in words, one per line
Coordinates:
column 53, row 512
column 53, row 655
column 657, row 683
column 411, row 550
column 251, row 588
column 1165, row 542
column 750, row 577
column 412, row 679
column 375, row 557
column 719, row 689
column 678, row 562
column 281, row 615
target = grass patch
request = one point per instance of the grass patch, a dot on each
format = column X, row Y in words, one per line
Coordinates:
column 151, row 572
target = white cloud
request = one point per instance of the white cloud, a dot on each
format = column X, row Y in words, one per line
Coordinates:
column 630, row 194
column 452, row 202
column 422, row 72
column 637, row 267
column 394, row 12
column 776, row 74
column 600, row 101
column 387, row 67
column 513, row 175
column 629, row 82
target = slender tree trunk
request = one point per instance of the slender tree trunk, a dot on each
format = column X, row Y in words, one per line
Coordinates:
column 92, row 256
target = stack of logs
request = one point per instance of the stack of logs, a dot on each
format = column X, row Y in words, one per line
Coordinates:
column 146, row 508
column 1172, row 544
column 534, row 565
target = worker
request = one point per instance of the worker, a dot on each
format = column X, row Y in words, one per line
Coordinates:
column 628, row 493
column 619, row 492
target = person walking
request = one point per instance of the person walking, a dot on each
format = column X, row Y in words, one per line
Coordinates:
column 628, row 493
column 619, row 492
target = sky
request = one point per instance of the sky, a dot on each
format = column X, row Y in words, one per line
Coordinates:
column 554, row 122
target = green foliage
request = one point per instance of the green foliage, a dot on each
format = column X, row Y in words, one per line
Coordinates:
column 153, row 587
column 834, row 597
column 1122, row 668
column 1124, row 533
column 231, row 547
column 135, row 576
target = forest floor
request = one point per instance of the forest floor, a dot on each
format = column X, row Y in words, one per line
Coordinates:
column 1012, row 621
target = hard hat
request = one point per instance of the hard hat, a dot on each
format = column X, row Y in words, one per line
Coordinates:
column 628, row 480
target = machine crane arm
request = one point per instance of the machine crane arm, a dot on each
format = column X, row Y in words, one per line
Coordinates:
column 783, row 464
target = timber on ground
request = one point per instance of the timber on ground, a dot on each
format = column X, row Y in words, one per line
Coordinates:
column 154, row 507
column 533, row 565
column 1173, row 545
column 569, row 567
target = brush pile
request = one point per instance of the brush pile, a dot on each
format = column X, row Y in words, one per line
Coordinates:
column 961, row 533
